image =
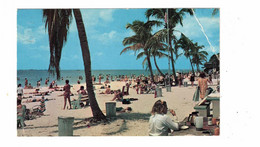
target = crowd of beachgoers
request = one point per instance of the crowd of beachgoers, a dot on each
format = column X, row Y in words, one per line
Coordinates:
column 114, row 88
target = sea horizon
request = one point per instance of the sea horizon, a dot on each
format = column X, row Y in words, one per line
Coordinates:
column 34, row 75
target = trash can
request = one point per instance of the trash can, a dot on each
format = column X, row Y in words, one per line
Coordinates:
column 185, row 84
column 65, row 126
column 110, row 109
column 159, row 92
column 168, row 88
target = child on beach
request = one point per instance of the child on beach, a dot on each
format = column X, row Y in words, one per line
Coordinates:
column 66, row 94
column 159, row 123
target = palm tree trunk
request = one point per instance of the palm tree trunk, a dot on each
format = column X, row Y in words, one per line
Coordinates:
column 158, row 67
column 150, row 67
column 191, row 66
column 97, row 113
column 173, row 68
column 198, row 68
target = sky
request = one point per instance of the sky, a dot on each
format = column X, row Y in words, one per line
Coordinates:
column 105, row 30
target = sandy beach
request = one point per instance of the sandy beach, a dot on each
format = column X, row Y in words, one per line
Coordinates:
column 134, row 123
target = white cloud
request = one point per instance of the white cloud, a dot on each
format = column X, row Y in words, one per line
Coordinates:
column 106, row 14
column 106, row 37
column 44, row 48
column 28, row 35
column 192, row 29
column 25, row 35
column 99, row 53
column 132, row 54
column 41, row 30
column 210, row 50
column 93, row 17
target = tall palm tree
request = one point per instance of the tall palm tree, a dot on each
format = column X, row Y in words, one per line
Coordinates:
column 186, row 44
column 175, row 17
column 158, row 49
column 57, row 22
column 215, row 11
column 140, row 41
column 198, row 55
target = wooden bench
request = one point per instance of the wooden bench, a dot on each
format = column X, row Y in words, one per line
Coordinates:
column 203, row 107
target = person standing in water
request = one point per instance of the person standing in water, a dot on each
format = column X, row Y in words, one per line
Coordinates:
column 66, row 94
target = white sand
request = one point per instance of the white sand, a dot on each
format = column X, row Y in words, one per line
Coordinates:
column 134, row 123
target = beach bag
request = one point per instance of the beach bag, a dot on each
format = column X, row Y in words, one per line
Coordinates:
column 196, row 95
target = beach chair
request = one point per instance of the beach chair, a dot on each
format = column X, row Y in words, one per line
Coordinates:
column 76, row 103
column 21, row 118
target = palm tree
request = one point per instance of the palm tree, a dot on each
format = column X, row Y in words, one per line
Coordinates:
column 57, row 22
column 198, row 56
column 186, row 44
column 175, row 17
column 215, row 11
column 140, row 41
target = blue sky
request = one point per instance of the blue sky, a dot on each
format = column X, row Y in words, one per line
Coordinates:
column 105, row 30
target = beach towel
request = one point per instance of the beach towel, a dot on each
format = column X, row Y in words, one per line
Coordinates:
column 196, row 95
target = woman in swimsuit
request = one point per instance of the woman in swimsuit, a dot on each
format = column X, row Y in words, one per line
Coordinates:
column 66, row 94
column 203, row 84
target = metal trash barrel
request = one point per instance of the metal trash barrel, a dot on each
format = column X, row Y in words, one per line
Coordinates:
column 168, row 88
column 65, row 126
column 110, row 109
column 159, row 92
column 185, row 84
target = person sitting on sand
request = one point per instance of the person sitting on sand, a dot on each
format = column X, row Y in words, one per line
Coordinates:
column 29, row 86
column 83, row 92
column 66, row 94
column 118, row 95
column 159, row 123
column 108, row 91
column 121, row 109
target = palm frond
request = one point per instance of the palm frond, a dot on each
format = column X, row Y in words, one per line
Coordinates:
column 57, row 21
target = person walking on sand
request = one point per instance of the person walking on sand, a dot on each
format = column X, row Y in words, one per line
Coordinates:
column 26, row 83
column 99, row 79
column 203, row 84
column 192, row 79
column 66, row 94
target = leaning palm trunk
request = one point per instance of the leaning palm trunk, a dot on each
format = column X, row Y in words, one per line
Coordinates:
column 150, row 67
column 191, row 66
column 173, row 68
column 158, row 67
column 198, row 68
column 97, row 113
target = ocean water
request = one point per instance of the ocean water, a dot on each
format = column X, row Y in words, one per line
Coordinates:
column 73, row 75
